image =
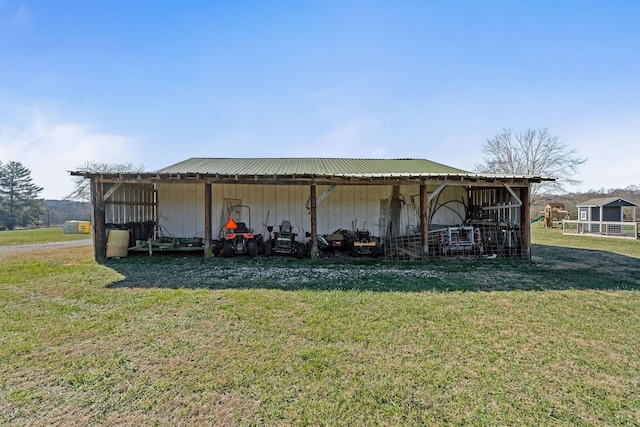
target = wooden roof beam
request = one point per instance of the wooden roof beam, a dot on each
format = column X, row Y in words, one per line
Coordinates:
column 436, row 192
column 515, row 196
column 112, row 190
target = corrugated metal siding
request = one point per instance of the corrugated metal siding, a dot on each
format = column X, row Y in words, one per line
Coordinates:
column 181, row 207
column 307, row 166
column 449, row 207
column 130, row 203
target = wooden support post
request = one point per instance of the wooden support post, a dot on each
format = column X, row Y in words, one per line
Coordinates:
column 525, row 218
column 99, row 226
column 424, row 222
column 314, row 224
column 396, row 206
column 208, row 253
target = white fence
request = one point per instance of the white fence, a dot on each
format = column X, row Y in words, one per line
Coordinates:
column 625, row 230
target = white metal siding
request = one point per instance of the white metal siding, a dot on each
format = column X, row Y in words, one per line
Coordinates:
column 348, row 206
column 269, row 205
column 451, row 206
column 181, row 207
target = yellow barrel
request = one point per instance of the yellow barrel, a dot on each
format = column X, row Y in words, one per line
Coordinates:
column 84, row 227
column 118, row 243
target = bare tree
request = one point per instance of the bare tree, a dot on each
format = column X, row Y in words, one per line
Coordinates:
column 532, row 152
column 82, row 192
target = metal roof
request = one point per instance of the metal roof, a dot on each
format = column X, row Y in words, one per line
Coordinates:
column 309, row 166
column 301, row 170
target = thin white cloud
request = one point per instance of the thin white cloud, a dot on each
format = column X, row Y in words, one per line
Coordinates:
column 15, row 14
column 22, row 15
column 50, row 148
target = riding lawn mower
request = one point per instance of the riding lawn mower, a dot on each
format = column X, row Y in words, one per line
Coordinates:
column 238, row 238
column 284, row 241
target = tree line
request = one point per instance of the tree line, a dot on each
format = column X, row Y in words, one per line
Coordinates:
column 510, row 152
column 21, row 206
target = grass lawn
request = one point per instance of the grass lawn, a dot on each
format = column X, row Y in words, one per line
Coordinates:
column 181, row 340
column 37, row 235
column 554, row 237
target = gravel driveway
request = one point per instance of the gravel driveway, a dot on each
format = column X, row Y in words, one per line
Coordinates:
column 49, row 245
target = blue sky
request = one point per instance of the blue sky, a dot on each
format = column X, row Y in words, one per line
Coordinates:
column 154, row 83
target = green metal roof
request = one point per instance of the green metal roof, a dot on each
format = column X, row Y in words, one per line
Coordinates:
column 301, row 170
column 309, row 166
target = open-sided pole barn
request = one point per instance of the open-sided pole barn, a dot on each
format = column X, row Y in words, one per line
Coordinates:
column 393, row 198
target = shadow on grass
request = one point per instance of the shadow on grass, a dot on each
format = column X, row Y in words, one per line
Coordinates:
column 551, row 268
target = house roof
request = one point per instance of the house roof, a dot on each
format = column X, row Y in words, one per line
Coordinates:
column 555, row 205
column 606, row 201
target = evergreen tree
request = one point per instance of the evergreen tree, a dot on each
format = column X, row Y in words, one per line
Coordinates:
column 19, row 202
